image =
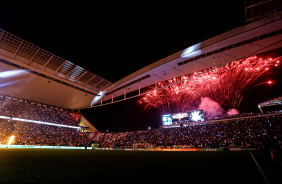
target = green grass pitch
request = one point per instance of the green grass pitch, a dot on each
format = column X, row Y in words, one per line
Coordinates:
column 92, row 166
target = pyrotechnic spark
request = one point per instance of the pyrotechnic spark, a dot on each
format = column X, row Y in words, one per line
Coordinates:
column 11, row 140
column 223, row 84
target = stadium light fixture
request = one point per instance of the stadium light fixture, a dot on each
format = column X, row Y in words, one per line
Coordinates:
column 12, row 73
column 97, row 98
column 192, row 51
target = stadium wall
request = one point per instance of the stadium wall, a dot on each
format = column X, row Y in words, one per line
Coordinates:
column 88, row 126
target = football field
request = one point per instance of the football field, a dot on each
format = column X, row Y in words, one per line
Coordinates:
column 92, row 166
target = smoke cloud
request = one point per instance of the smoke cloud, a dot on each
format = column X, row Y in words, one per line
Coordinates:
column 210, row 108
column 232, row 112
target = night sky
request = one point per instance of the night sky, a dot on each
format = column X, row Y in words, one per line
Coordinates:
column 115, row 39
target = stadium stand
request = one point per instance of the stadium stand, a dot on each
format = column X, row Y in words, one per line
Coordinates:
column 28, row 133
column 34, row 134
column 262, row 132
column 15, row 107
column 253, row 132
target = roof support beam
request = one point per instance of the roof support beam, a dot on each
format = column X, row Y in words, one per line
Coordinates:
column 60, row 66
column 81, row 75
column 2, row 34
column 70, row 72
column 44, row 66
column 155, row 81
column 162, row 79
column 90, row 79
column 109, row 83
column 99, row 83
column 139, row 89
column 33, row 56
column 17, row 50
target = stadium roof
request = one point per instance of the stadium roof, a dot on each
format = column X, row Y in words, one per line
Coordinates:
column 275, row 101
column 49, row 79
column 45, row 77
column 250, row 39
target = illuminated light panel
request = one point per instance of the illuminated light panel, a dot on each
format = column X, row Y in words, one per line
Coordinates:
column 98, row 97
column 195, row 116
column 192, row 51
column 39, row 122
column 5, row 117
column 12, row 73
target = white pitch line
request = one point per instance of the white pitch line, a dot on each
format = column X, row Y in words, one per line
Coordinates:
column 260, row 170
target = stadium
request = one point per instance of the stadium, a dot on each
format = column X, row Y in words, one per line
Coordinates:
column 46, row 134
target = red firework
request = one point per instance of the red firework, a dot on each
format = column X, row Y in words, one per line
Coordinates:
column 224, row 84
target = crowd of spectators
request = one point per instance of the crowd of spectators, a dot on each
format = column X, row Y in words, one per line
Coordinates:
column 19, row 108
column 36, row 134
column 260, row 132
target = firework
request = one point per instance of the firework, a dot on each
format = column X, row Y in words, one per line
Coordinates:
column 224, row 84
column 11, row 140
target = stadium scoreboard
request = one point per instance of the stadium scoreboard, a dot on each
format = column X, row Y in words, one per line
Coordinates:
column 184, row 117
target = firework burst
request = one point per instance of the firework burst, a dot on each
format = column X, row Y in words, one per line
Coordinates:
column 226, row 85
